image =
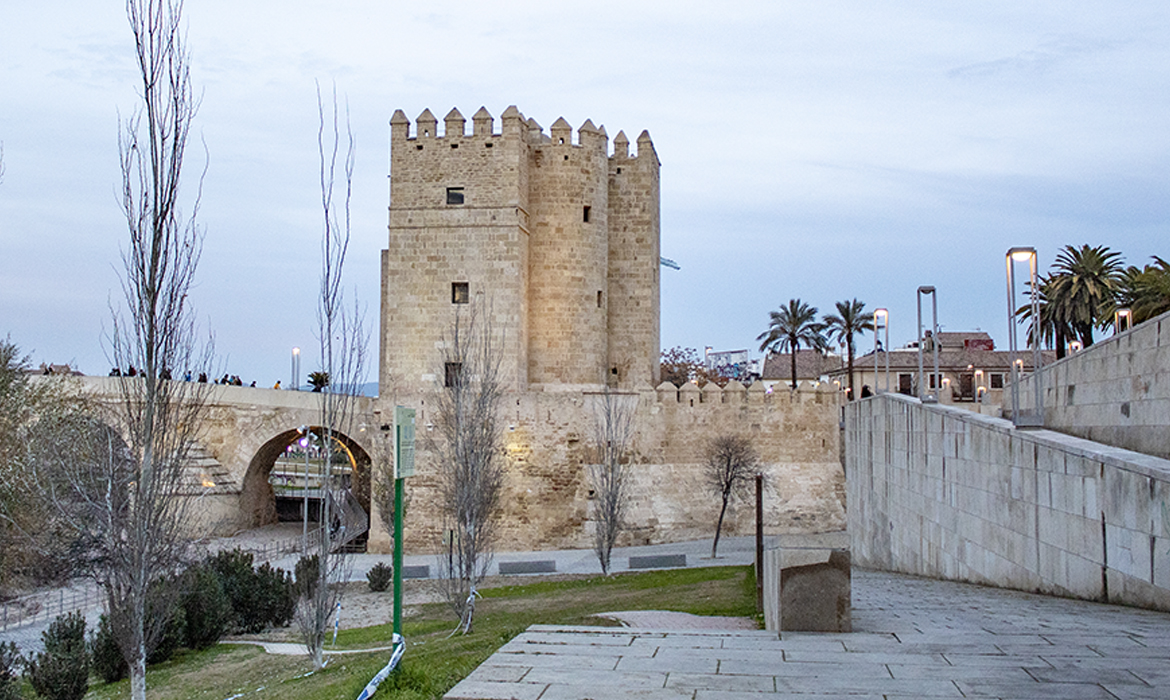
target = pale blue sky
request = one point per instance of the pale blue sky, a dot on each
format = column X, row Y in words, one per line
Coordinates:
column 821, row 150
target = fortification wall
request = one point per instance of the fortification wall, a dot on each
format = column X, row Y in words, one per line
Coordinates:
column 1116, row 392
column 548, row 443
column 946, row 493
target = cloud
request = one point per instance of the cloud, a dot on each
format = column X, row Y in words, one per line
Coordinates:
column 1046, row 56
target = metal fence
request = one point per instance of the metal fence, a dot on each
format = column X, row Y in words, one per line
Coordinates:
column 46, row 605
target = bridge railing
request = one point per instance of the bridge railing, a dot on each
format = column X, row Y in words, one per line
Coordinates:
column 46, row 605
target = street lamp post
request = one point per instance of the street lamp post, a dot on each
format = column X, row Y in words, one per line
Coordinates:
column 1122, row 317
column 294, row 385
column 922, row 291
column 305, row 442
column 883, row 323
column 1036, row 418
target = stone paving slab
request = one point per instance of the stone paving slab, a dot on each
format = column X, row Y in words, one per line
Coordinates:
column 915, row 638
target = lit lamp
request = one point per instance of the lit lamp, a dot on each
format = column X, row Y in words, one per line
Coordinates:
column 1122, row 317
column 881, row 320
column 979, row 389
column 1036, row 418
column 294, row 385
column 1075, row 346
column 923, row 291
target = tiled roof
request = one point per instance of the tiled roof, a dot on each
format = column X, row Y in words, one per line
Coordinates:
column 810, row 364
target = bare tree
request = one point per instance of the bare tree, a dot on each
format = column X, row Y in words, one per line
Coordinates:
column 343, row 346
column 731, row 463
column 144, row 527
column 467, row 442
column 613, row 433
column 30, row 548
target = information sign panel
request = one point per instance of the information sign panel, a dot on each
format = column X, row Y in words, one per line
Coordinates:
column 403, row 442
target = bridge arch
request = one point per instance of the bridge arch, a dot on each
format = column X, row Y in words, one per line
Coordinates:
column 257, row 496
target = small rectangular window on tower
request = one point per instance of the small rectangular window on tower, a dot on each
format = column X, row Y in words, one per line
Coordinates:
column 585, row 216
column 454, row 195
column 460, row 293
column 451, row 372
column 599, row 298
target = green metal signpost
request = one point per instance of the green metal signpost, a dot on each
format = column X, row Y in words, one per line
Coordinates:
column 403, row 467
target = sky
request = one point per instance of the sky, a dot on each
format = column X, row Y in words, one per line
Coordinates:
column 818, row 150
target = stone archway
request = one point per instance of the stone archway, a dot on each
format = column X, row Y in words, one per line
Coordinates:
column 258, row 498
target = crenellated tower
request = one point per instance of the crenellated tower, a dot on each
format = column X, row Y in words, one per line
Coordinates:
column 558, row 238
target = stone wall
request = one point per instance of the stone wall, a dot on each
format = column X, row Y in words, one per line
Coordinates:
column 548, row 442
column 941, row 492
column 1117, row 391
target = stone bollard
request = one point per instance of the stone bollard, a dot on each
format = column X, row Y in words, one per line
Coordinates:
column 807, row 590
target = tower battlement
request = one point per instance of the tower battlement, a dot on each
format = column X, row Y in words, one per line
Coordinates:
column 512, row 121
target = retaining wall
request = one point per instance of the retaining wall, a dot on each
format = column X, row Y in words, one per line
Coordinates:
column 1116, row 391
column 946, row 493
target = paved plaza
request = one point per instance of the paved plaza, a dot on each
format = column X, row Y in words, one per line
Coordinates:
column 914, row 638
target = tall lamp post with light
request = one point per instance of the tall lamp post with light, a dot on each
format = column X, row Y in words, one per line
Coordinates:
column 922, row 395
column 1036, row 418
column 881, row 321
column 294, row 385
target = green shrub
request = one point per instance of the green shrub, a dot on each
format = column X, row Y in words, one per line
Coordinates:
column 61, row 671
column 259, row 598
column 163, row 606
column 380, row 577
column 308, row 572
column 234, row 570
column 107, row 659
column 277, row 594
column 10, row 662
column 206, row 607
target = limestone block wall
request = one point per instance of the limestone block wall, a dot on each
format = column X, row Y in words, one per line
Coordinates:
column 548, row 447
column 1117, row 391
column 569, row 257
column 432, row 244
column 634, row 252
column 941, row 492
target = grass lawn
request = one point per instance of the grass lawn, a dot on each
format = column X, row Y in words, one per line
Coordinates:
column 433, row 663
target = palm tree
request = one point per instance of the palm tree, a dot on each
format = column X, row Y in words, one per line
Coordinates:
column 851, row 319
column 1083, row 287
column 1052, row 329
column 1146, row 291
column 790, row 327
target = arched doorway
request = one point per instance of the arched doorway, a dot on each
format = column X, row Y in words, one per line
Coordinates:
column 279, row 481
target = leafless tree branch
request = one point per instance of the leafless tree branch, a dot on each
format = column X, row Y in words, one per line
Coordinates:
column 343, row 342
column 730, row 464
column 613, row 433
column 467, row 442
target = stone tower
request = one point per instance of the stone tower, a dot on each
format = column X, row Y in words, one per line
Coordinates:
column 556, row 241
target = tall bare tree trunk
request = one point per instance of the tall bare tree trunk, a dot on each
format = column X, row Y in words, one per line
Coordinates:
column 159, row 417
column 613, row 432
column 467, row 442
column 343, row 347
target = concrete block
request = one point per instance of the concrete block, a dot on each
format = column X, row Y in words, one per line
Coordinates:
column 660, row 561
column 544, row 566
column 807, row 590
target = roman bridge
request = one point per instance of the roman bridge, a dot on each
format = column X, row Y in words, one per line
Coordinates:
column 244, row 431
